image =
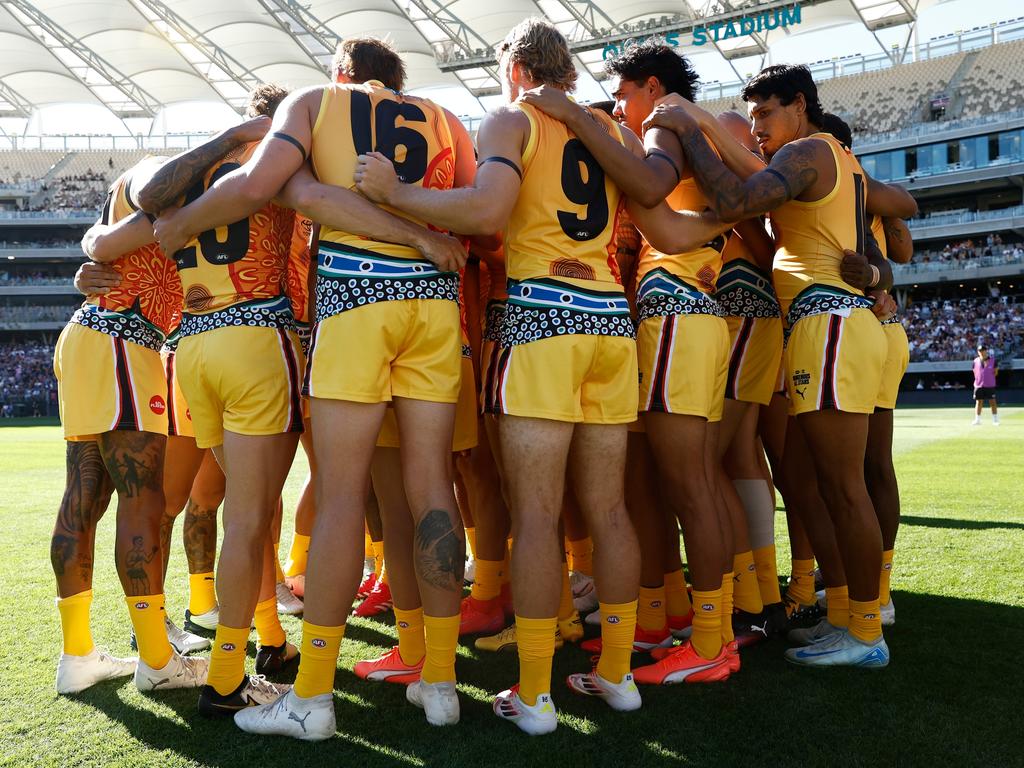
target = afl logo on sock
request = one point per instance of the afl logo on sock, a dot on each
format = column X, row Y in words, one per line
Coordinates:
column 614, row 619
column 157, row 405
column 403, row 625
column 227, row 647
column 707, row 607
column 655, row 603
column 142, row 605
column 318, row 643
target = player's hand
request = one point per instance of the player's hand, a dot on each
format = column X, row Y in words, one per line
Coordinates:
column 672, row 118
column 292, row 194
column 93, row 279
column 551, row 101
column 169, row 233
column 375, row 177
column 253, row 129
column 885, row 305
column 855, row 269
column 445, row 252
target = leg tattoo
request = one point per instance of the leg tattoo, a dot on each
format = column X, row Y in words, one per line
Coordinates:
column 440, row 556
column 85, row 499
column 200, row 533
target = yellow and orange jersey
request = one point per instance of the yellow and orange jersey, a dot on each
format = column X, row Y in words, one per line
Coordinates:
column 810, row 237
column 356, row 119
column 297, row 274
column 146, row 306
column 565, row 219
column 236, row 274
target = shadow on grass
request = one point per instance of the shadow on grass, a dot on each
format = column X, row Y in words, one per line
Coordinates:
column 770, row 711
column 953, row 523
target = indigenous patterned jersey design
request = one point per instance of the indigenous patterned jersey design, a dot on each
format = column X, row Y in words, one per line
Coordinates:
column 146, row 306
column 560, row 240
column 743, row 288
column 414, row 134
column 236, row 274
column 297, row 274
column 810, row 237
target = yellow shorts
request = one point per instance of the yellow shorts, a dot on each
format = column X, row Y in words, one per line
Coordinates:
column 755, row 352
column 179, row 418
column 896, row 361
column 410, row 348
column 684, row 360
column 106, row 384
column 835, row 362
column 576, row 378
column 243, row 379
column 465, row 436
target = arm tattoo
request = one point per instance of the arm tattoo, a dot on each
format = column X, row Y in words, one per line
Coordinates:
column 791, row 172
column 85, row 500
column 135, row 461
column 200, row 534
column 894, row 230
column 182, row 172
column 440, row 554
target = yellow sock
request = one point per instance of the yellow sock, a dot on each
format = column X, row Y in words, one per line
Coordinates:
column 411, row 643
column 677, row 601
column 227, row 659
column 884, row 595
column 616, row 639
column 767, row 574
column 378, row 557
column 536, row 641
column 746, row 594
column 487, row 584
column 726, row 610
column 268, row 625
column 707, row 622
column 368, row 550
column 801, row 582
column 565, row 604
column 201, row 594
column 319, row 660
column 382, row 577
column 74, row 623
column 838, row 606
column 651, row 609
column 441, row 636
column 297, row 555
column 471, row 540
column 865, row 620
column 147, row 612
column 583, row 555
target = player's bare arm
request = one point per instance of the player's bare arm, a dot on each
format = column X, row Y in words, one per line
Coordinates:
column 889, row 200
column 107, row 242
column 171, row 180
column 646, row 180
column 482, row 208
column 247, row 189
column 792, row 173
column 94, row 279
column 672, row 231
column 757, row 240
column 899, row 244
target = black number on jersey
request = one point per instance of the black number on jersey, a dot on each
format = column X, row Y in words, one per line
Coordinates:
column 589, row 192
column 859, row 212
column 383, row 134
column 215, row 250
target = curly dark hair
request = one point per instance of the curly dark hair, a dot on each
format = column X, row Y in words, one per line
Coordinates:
column 838, row 127
column 264, row 99
column 786, row 81
column 652, row 58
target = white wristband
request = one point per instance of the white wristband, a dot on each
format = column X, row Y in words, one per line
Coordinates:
column 875, row 276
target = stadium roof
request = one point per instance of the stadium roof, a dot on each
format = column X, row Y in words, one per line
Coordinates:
column 137, row 56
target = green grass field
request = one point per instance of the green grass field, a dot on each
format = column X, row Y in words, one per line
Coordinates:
column 953, row 694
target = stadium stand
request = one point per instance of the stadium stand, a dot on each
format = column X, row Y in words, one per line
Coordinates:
column 996, row 81
column 27, row 386
column 941, row 330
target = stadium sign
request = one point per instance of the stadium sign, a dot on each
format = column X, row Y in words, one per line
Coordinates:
column 718, row 31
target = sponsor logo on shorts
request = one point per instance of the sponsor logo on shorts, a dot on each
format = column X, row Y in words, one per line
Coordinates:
column 707, row 607
column 614, row 619
column 157, row 405
column 142, row 605
column 228, row 647
column 318, row 642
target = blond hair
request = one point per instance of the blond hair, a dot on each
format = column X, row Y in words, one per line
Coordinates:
column 542, row 52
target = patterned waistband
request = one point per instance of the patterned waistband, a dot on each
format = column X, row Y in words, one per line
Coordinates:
column 822, row 299
column 123, row 325
column 171, row 342
column 259, row 313
column 305, row 333
column 894, row 320
column 496, row 311
column 542, row 308
column 746, row 291
column 467, row 351
column 661, row 294
column 351, row 277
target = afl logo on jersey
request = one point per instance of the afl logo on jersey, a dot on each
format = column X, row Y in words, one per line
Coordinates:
column 157, row 405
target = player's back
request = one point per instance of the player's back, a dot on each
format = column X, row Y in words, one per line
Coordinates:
column 811, row 236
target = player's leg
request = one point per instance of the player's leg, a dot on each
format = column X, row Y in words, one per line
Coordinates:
column 995, row 408
column 305, row 513
column 880, row 475
column 200, row 535
column 181, row 463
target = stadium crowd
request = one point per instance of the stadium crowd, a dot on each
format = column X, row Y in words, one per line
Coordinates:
column 32, row 278
column 946, row 329
column 26, row 378
column 31, row 313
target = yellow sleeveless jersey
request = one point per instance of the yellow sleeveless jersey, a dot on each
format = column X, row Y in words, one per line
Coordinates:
column 146, row 306
column 879, row 232
column 412, row 132
column 236, row 274
column 564, row 222
column 810, row 236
